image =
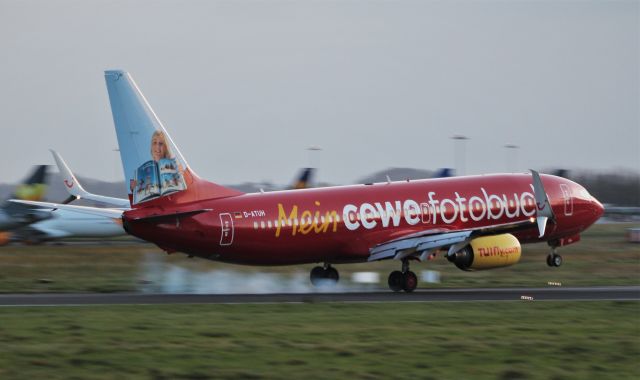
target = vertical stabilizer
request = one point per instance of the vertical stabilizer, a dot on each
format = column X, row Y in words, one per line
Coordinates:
column 34, row 187
column 154, row 168
column 304, row 179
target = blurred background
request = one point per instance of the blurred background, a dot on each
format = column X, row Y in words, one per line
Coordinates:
column 252, row 91
column 245, row 87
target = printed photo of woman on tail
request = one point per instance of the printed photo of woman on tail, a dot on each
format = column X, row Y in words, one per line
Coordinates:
column 159, row 176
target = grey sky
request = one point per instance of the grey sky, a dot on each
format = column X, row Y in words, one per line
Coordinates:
column 244, row 87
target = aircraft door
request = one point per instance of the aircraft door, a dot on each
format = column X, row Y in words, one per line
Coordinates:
column 568, row 200
column 226, row 223
column 426, row 212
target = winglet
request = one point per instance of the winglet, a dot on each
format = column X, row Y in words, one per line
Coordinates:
column 70, row 181
column 75, row 189
column 543, row 207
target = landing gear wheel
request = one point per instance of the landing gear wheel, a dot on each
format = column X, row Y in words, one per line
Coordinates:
column 324, row 276
column 396, row 281
column 316, row 276
column 331, row 274
column 554, row 260
column 410, row 282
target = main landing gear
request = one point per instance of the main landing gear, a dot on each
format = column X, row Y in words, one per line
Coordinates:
column 324, row 276
column 403, row 280
column 553, row 259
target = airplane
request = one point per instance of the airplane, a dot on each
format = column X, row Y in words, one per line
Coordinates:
column 476, row 222
column 66, row 224
column 14, row 216
column 54, row 223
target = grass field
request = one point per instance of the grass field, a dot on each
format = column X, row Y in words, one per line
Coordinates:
column 481, row 340
column 603, row 257
column 504, row 340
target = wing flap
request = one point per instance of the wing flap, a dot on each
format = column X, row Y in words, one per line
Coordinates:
column 417, row 244
column 429, row 241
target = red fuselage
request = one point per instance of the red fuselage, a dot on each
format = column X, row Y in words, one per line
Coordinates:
column 341, row 224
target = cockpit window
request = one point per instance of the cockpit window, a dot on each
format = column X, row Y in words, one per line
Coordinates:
column 584, row 193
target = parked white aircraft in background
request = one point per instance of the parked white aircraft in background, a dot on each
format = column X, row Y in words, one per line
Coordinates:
column 66, row 223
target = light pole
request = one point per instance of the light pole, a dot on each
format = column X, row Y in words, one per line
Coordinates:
column 311, row 149
column 512, row 157
column 459, row 157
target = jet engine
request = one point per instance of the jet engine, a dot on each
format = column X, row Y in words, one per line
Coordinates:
column 5, row 238
column 488, row 252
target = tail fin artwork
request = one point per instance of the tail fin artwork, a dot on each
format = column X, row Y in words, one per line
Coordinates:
column 155, row 170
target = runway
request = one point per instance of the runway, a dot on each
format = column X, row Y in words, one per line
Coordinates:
column 422, row 295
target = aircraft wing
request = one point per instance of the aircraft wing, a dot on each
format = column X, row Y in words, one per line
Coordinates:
column 75, row 189
column 422, row 244
column 105, row 212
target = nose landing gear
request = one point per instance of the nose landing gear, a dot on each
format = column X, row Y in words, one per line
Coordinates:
column 553, row 259
column 324, row 276
column 403, row 280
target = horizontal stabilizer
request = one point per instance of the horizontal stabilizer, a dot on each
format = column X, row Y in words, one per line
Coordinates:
column 171, row 216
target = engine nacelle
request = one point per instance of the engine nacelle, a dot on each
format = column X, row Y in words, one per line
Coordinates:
column 488, row 252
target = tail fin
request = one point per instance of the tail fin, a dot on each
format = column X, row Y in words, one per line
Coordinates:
column 304, row 179
column 154, row 169
column 443, row 173
column 34, row 187
column 564, row 173
column 31, row 189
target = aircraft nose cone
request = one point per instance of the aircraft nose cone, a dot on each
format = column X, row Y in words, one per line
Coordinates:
column 596, row 208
